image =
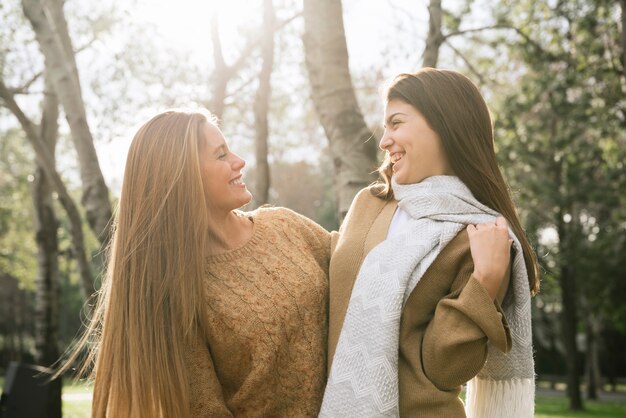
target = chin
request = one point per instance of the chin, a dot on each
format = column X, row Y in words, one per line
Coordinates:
column 246, row 199
column 400, row 179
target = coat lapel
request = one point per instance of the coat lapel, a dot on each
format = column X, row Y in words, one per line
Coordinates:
column 367, row 224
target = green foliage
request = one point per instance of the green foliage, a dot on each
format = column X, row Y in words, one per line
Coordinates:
column 451, row 21
column 18, row 250
column 562, row 142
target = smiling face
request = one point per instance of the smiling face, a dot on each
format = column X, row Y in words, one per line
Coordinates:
column 224, row 188
column 414, row 148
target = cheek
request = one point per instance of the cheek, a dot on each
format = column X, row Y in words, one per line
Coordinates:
column 210, row 180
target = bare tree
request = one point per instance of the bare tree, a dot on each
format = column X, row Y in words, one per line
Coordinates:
column 435, row 38
column 48, row 21
column 223, row 72
column 46, row 236
column 261, row 105
column 622, row 4
column 352, row 147
column 45, row 161
column 593, row 327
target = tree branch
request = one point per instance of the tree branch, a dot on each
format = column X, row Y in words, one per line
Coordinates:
column 218, row 55
column 240, row 87
column 472, row 30
column 506, row 26
column 23, row 89
column 253, row 44
column 469, row 64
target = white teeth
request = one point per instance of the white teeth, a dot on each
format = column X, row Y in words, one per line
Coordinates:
column 396, row 157
column 236, row 182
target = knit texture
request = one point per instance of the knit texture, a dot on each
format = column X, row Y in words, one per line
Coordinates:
column 268, row 319
column 364, row 375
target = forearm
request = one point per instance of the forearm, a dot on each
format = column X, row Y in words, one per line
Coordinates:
column 454, row 347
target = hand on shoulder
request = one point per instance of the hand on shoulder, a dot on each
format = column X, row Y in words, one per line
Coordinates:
column 490, row 246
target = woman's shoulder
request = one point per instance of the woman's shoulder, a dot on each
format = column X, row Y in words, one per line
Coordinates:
column 375, row 191
column 366, row 205
column 369, row 196
column 278, row 215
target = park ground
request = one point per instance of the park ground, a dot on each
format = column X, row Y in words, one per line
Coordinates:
column 548, row 403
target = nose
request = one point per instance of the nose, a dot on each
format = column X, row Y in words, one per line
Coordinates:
column 385, row 141
column 238, row 162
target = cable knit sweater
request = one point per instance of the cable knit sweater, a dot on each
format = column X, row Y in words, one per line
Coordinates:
column 267, row 304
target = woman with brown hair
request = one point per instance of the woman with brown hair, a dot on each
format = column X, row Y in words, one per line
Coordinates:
column 412, row 318
column 206, row 311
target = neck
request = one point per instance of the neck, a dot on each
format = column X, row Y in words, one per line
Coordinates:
column 228, row 232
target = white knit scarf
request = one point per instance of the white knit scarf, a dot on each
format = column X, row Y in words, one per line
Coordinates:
column 363, row 380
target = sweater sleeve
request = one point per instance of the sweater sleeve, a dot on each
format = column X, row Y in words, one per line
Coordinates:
column 454, row 348
column 205, row 391
column 318, row 239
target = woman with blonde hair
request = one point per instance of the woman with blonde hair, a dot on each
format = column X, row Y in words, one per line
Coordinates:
column 412, row 316
column 205, row 310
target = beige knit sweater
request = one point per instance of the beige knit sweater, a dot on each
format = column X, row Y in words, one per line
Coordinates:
column 268, row 300
column 446, row 322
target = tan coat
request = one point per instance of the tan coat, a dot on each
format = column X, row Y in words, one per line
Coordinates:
column 446, row 322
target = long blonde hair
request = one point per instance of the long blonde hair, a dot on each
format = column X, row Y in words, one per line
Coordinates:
column 151, row 302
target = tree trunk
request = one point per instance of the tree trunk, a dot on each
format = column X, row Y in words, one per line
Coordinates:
column 21, row 324
column 567, row 282
column 261, row 106
column 50, row 26
column 623, row 36
column 46, row 162
column 9, row 307
column 435, row 37
column 221, row 75
column 46, row 225
column 593, row 356
column 352, row 145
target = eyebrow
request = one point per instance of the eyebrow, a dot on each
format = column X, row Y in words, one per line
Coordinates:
column 392, row 116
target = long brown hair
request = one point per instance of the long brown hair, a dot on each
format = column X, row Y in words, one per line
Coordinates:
column 151, row 302
column 455, row 109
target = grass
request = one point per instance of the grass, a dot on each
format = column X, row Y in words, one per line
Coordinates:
column 557, row 407
column 545, row 407
column 75, row 402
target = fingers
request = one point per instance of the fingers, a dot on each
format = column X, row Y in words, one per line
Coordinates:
column 501, row 223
